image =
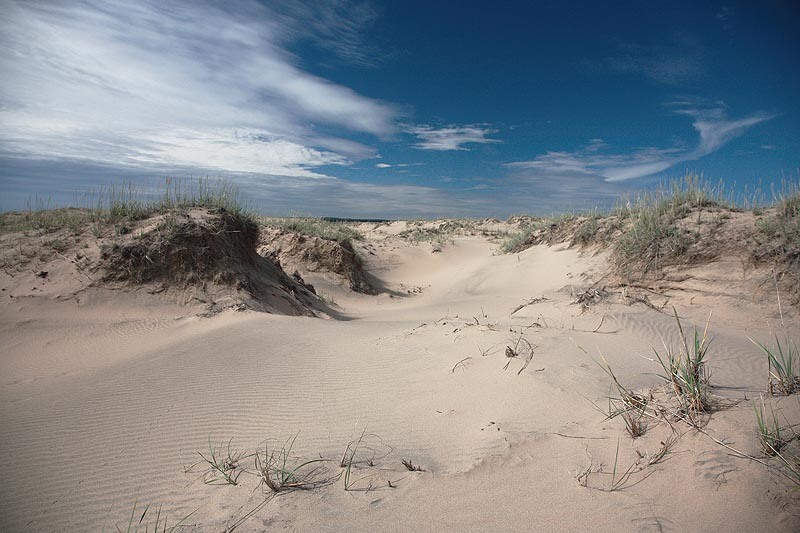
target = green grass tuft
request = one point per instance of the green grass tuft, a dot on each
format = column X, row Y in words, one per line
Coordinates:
column 769, row 430
column 685, row 370
column 114, row 206
column 783, row 360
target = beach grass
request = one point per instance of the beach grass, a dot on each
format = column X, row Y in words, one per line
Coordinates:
column 770, row 435
column 223, row 464
column 280, row 471
column 127, row 202
column 686, row 372
column 316, row 227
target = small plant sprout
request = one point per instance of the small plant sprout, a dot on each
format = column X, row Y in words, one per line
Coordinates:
column 516, row 351
column 411, row 467
column 223, row 463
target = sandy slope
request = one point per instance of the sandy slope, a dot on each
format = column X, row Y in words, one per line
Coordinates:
column 104, row 403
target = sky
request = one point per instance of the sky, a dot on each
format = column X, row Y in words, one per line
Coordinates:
column 397, row 109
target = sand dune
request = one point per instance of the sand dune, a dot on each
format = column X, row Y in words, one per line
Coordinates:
column 105, row 403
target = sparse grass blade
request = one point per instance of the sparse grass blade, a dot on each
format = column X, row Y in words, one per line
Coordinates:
column 223, row 464
column 769, row 430
column 783, row 359
column 631, row 407
column 142, row 525
column 279, row 471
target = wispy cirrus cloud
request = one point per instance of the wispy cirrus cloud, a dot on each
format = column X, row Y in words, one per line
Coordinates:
column 453, row 137
column 682, row 61
column 191, row 84
column 712, row 125
column 336, row 26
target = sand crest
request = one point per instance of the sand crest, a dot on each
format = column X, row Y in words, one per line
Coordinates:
column 108, row 400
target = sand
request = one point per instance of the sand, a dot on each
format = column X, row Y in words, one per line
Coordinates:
column 107, row 401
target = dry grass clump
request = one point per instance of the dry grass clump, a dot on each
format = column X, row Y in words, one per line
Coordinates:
column 186, row 249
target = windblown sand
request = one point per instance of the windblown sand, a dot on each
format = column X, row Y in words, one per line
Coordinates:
column 106, row 401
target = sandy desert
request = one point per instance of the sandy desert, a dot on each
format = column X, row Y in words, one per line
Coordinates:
column 424, row 378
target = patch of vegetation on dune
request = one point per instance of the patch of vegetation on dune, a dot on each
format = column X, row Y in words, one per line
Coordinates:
column 194, row 235
column 315, row 227
column 685, row 223
column 778, row 240
column 185, row 248
column 110, row 208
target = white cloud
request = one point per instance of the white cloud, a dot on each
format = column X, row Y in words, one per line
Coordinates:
column 450, row 137
column 714, row 130
column 383, row 165
column 241, row 151
column 185, row 83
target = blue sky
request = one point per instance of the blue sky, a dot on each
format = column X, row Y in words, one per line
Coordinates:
column 400, row 108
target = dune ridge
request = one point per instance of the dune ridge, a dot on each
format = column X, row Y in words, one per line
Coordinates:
column 107, row 400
